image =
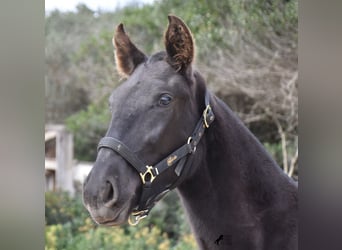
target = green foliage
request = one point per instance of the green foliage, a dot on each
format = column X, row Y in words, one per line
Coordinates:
column 275, row 150
column 60, row 208
column 69, row 227
column 79, row 59
column 146, row 238
column 80, row 65
column 262, row 18
column 88, row 126
column 55, row 208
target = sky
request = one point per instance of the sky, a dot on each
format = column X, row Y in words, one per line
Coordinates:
column 70, row 5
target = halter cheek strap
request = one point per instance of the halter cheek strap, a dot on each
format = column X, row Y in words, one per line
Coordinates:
column 151, row 193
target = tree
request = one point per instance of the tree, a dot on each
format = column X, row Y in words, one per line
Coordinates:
column 246, row 50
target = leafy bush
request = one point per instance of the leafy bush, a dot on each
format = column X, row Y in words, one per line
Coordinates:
column 88, row 126
column 69, row 227
column 60, row 208
column 60, row 237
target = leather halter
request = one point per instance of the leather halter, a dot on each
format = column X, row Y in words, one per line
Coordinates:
column 176, row 160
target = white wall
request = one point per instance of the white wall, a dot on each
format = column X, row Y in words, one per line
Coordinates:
column 81, row 171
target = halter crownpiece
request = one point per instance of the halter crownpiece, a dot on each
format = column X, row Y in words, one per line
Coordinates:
column 148, row 174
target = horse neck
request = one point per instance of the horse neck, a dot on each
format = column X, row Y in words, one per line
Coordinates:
column 230, row 163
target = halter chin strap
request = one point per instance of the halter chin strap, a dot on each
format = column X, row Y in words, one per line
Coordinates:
column 148, row 174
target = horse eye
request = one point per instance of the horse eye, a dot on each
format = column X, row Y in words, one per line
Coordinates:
column 165, row 99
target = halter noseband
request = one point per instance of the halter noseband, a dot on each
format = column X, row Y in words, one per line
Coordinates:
column 148, row 174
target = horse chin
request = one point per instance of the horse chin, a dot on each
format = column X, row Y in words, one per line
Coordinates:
column 107, row 216
column 117, row 221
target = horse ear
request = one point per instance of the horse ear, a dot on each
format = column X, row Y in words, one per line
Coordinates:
column 179, row 44
column 127, row 55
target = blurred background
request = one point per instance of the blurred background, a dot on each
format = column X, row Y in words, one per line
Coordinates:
column 246, row 51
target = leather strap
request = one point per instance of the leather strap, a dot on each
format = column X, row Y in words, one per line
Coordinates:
column 177, row 160
column 123, row 150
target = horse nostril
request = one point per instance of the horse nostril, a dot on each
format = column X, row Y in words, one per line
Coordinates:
column 110, row 194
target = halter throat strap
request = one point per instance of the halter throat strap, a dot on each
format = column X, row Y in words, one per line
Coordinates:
column 175, row 160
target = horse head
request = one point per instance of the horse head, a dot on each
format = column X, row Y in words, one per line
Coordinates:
column 154, row 111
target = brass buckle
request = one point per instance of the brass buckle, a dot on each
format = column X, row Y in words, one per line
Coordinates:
column 148, row 172
column 136, row 217
column 205, row 112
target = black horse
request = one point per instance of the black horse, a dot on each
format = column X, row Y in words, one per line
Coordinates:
column 168, row 131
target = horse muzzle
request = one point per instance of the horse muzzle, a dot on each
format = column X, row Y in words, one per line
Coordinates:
column 108, row 193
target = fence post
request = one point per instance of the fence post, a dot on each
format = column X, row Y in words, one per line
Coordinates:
column 64, row 160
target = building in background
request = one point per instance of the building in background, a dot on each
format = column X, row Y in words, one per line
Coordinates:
column 62, row 171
